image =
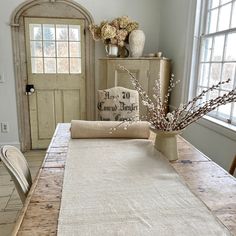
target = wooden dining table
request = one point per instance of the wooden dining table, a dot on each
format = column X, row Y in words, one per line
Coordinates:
column 208, row 181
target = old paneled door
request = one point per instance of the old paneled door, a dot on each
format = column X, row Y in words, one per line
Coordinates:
column 56, row 70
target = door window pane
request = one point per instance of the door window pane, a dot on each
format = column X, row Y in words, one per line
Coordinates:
column 49, row 49
column 62, row 49
column 37, row 65
column 75, row 49
column 35, row 31
column 74, row 32
column 62, row 65
column 48, row 32
column 62, row 32
column 75, row 65
column 36, row 48
column 50, row 65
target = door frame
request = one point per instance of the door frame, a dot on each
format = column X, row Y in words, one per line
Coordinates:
column 55, row 9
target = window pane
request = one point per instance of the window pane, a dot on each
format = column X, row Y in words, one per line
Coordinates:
column 224, row 110
column 37, row 65
column 224, row 17
column 204, row 73
column 62, row 65
column 214, row 3
column 206, row 49
column 212, row 21
column 75, row 49
column 234, row 114
column 230, row 54
column 225, row 1
column 62, row 32
column 228, row 73
column 49, row 49
column 215, row 73
column 74, row 32
column 35, row 31
column 203, row 99
column 213, row 94
column 75, row 65
column 48, row 32
column 50, row 65
column 218, row 48
column 36, row 48
column 233, row 21
column 62, row 49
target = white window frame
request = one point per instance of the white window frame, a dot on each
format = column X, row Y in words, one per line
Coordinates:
column 200, row 23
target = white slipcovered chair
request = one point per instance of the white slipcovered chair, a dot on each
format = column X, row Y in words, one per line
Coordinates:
column 18, row 168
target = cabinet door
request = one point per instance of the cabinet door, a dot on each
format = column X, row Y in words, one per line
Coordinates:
column 117, row 77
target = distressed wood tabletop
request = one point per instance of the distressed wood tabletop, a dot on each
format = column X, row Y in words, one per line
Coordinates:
column 208, row 181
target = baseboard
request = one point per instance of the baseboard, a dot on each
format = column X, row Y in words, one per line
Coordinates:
column 15, row 144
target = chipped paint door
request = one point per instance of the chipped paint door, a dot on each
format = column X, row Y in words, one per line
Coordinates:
column 56, row 69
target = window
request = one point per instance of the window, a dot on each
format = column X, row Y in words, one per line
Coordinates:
column 55, row 47
column 217, row 59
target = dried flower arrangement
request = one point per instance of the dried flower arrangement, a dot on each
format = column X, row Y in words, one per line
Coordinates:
column 115, row 32
column 185, row 114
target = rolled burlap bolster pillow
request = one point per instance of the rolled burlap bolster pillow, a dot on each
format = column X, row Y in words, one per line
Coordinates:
column 103, row 129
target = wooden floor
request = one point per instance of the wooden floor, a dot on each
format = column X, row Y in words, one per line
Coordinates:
column 10, row 202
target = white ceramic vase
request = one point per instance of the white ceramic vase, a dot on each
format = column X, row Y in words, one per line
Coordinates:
column 166, row 143
column 136, row 43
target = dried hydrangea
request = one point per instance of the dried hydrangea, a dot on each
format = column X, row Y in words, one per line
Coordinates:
column 115, row 32
column 123, row 21
column 132, row 26
column 121, row 35
column 108, row 31
column 115, row 23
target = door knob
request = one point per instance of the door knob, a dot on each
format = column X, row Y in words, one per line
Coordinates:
column 29, row 89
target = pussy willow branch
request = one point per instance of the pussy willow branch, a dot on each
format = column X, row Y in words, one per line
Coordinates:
column 185, row 114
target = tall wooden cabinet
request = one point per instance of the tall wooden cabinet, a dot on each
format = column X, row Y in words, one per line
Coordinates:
column 147, row 70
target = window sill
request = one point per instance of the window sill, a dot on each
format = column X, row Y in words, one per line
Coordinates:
column 219, row 127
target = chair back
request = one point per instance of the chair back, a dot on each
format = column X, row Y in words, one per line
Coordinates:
column 118, row 104
column 18, row 168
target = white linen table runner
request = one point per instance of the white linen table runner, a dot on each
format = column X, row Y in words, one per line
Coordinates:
column 127, row 188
